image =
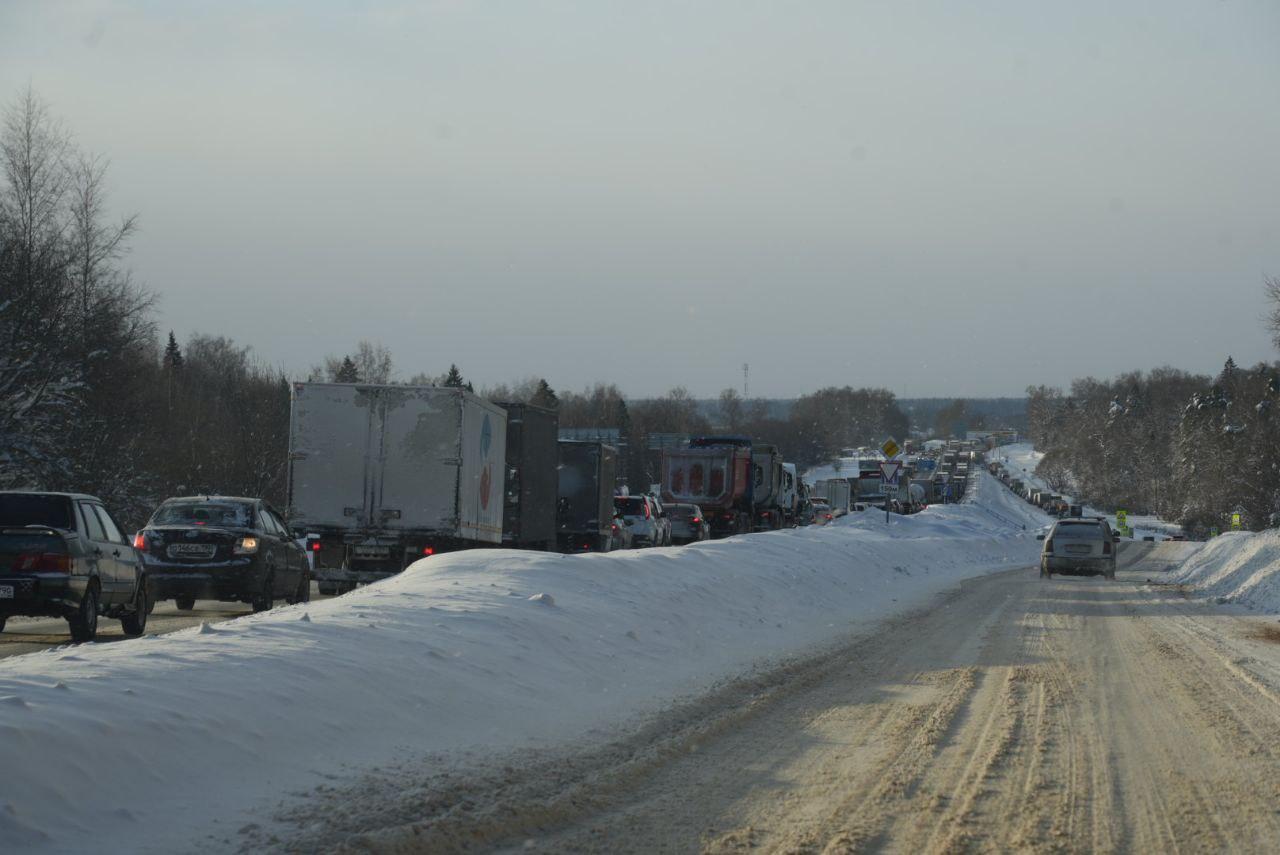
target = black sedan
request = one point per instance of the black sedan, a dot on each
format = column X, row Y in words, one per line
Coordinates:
column 222, row 548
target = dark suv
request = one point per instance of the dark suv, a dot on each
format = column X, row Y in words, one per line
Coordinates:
column 62, row 555
column 222, row 548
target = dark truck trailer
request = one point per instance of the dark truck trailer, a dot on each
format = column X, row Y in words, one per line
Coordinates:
column 584, row 507
column 714, row 473
column 529, row 504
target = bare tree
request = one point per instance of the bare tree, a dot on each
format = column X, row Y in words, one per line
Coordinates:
column 38, row 380
column 1272, row 288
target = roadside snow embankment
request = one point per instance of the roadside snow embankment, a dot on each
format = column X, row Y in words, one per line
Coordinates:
column 1239, row 567
column 154, row 743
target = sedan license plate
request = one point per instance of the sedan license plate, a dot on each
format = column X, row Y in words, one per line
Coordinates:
column 6, row 592
column 192, row 550
column 1079, row 548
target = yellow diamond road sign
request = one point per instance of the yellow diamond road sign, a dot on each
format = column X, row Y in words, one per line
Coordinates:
column 890, row 448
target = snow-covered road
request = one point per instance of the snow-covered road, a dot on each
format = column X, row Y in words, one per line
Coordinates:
column 180, row 740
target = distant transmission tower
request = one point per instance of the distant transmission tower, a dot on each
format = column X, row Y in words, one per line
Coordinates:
column 745, row 369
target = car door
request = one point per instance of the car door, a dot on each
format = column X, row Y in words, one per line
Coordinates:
column 272, row 549
column 100, row 555
column 294, row 554
column 126, row 558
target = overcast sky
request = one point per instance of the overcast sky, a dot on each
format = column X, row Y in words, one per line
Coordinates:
column 938, row 197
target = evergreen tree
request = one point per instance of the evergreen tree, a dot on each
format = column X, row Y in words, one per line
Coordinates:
column 454, row 379
column 347, row 372
column 545, row 396
column 172, row 355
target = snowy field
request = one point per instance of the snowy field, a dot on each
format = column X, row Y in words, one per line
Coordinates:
column 1021, row 459
column 176, row 741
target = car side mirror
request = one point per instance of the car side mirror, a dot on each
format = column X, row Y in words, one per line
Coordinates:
column 1039, row 537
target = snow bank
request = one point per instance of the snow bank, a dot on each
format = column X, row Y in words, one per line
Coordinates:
column 1239, row 567
column 152, row 744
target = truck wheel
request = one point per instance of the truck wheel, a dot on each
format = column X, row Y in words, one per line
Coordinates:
column 135, row 622
column 84, row 623
column 327, row 588
column 185, row 604
column 265, row 597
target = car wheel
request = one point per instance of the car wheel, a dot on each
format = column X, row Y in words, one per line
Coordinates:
column 266, row 596
column 135, row 623
column 185, row 604
column 84, row 623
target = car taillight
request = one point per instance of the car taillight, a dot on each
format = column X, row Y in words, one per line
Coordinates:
column 697, row 520
column 1048, row 545
column 828, row 516
column 428, row 551
column 1106, row 547
column 646, row 510
column 42, row 562
column 315, row 546
column 139, row 541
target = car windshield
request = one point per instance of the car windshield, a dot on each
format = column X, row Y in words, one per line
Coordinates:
column 232, row 514
column 23, row 509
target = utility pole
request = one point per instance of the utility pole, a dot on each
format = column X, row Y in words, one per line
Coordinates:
column 745, row 369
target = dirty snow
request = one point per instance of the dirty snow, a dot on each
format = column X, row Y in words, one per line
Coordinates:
column 177, row 741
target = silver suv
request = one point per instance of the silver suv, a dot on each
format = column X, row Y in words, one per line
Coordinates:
column 1084, row 547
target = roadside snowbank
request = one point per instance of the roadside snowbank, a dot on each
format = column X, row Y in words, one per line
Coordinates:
column 1240, row 567
column 157, row 743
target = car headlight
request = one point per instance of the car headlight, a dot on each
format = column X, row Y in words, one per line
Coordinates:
column 246, row 546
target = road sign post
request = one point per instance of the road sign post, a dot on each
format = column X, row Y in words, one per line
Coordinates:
column 889, row 472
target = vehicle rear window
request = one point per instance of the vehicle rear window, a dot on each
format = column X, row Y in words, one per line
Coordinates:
column 236, row 514
column 16, row 542
column 1079, row 529
column 683, row 512
column 630, row 506
column 23, row 509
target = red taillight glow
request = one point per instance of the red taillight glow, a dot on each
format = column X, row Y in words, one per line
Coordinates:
column 697, row 520
column 48, row 562
column 139, row 541
column 828, row 516
column 315, row 546
column 646, row 510
column 428, row 550
column 1106, row 547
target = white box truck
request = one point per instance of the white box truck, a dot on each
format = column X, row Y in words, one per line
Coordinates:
column 380, row 476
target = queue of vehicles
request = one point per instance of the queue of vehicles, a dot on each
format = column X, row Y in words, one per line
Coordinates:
column 378, row 477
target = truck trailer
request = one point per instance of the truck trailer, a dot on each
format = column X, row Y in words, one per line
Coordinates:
column 714, row 473
column 532, row 477
column 584, row 507
column 380, row 476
